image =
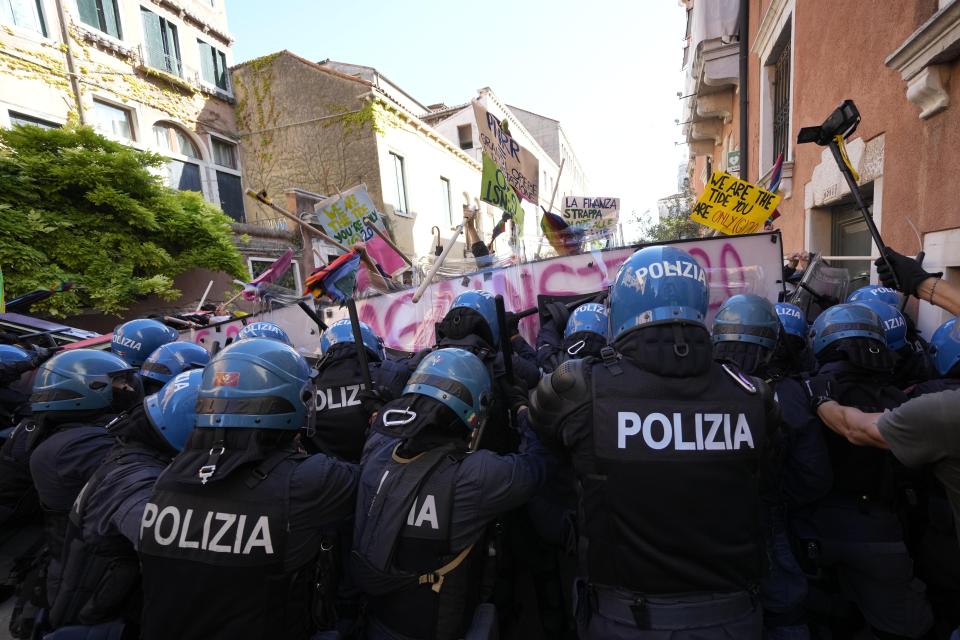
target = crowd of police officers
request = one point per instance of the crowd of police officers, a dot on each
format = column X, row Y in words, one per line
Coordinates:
column 637, row 475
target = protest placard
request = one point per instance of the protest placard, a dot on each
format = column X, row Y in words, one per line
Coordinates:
column 495, row 189
column 341, row 216
column 521, row 168
column 591, row 214
column 733, row 206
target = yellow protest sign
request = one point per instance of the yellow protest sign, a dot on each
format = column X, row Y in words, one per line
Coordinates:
column 733, row 206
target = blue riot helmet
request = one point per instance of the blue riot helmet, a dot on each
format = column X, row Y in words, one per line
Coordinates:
column 342, row 331
column 945, row 348
column 792, row 320
column 257, row 383
column 747, row 317
column 10, row 354
column 875, row 292
column 172, row 410
column 135, row 340
column 846, row 321
column 456, row 378
column 264, row 330
column 85, row 380
column 171, row 359
column 894, row 324
column 472, row 311
column 591, row 317
column 657, row 285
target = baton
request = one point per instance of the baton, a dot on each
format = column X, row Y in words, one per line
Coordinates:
column 505, row 347
column 358, row 342
column 313, row 315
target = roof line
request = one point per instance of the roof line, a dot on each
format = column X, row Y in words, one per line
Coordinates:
column 534, row 113
column 319, row 67
column 382, row 75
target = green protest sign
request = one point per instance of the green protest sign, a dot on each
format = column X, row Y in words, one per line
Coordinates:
column 495, row 189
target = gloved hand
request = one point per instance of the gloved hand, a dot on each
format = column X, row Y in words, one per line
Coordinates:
column 372, row 400
column 517, row 398
column 908, row 272
column 42, row 354
column 819, row 390
column 559, row 312
column 513, row 324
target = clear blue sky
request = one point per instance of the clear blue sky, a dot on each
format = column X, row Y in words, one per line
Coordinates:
column 609, row 70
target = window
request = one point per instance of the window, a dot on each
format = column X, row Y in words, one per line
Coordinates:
column 24, row 119
column 113, row 121
column 101, row 15
column 224, row 153
column 213, row 66
column 162, row 46
column 851, row 243
column 231, row 195
column 172, row 139
column 445, row 204
column 183, row 176
column 23, row 13
column 399, row 183
column 465, row 134
column 781, row 102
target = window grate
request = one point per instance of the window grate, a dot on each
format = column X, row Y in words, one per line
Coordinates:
column 781, row 102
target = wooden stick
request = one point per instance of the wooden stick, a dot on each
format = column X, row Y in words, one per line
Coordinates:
column 205, row 294
column 303, row 225
column 556, row 185
column 233, row 298
column 387, row 239
column 436, row 265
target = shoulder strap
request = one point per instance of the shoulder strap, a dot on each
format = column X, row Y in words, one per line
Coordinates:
column 611, row 360
column 435, row 578
column 259, row 473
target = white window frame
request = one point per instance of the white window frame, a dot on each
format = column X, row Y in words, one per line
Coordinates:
column 7, row 107
column 228, row 92
column 213, row 158
column 294, row 266
column 136, row 131
column 30, row 34
column 210, row 169
column 83, row 26
column 406, row 212
column 772, row 27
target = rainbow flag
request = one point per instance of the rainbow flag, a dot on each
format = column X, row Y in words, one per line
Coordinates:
column 775, row 177
column 337, row 280
column 564, row 239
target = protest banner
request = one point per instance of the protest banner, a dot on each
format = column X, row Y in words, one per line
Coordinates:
column 733, row 206
column 341, row 216
column 521, row 168
column 591, row 214
column 495, row 189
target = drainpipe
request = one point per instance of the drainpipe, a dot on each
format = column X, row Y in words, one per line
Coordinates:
column 744, row 28
column 71, row 70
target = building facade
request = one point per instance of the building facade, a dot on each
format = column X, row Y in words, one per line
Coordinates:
column 152, row 75
column 802, row 60
column 550, row 135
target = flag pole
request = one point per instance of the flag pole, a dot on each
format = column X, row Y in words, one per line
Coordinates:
column 556, row 185
column 436, row 265
column 204, row 297
column 387, row 239
column 263, row 199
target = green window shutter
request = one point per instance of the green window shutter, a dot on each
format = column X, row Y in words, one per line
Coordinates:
column 153, row 39
column 88, row 13
column 110, row 18
column 172, row 47
column 206, row 62
column 221, row 70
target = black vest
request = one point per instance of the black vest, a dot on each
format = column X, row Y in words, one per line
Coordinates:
column 418, row 545
column 672, row 503
column 341, row 422
column 213, row 557
column 100, row 579
column 864, row 472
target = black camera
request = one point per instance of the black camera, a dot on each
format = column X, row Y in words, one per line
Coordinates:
column 843, row 121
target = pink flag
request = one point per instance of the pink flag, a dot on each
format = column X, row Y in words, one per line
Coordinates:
column 388, row 259
column 273, row 273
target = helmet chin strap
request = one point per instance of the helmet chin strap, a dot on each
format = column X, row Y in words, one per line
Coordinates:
column 680, row 347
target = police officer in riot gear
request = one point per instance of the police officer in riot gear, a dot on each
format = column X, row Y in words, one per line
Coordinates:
column 425, row 501
column 945, row 351
column 75, row 395
column 14, row 363
column 170, row 360
column 264, row 330
column 231, row 534
column 654, row 424
column 342, row 420
column 135, row 340
column 792, row 355
column 745, row 332
column 584, row 334
column 856, row 531
column 101, row 572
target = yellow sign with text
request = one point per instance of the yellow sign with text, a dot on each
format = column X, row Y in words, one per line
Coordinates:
column 733, row 206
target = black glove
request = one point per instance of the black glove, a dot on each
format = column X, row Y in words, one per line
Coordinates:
column 517, row 396
column 373, row 400
column 819, row 390
column 908, row 272
column 559, row 312
column 513, row 324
